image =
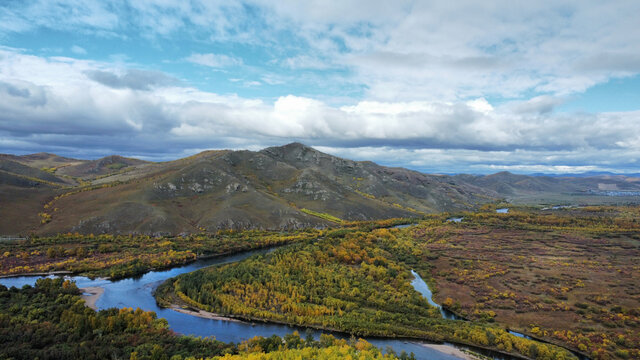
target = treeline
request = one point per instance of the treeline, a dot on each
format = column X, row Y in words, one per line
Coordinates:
column 118, row 256
column 593, row 219
column 50, row 321
column 294, row 348
column 357, row 282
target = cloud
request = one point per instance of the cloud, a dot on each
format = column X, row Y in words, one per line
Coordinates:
column 214, row 60
column 74, row 106
column 252, row 83
column 87, row 16
column 14, row 91
column 78, row 50
column 430, row 85
column 543, row 104
column 306, row 62
column 131, row 79
column 487, row 162
column 452, row 51
column 22, row 93
column 397, row 51
column 623, row 62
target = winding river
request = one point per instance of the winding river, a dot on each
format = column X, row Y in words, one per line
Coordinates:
column 138, row 292
column 425, row 291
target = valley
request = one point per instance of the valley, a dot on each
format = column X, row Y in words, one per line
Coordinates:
column 319, row 180
column 504, row 254
column 542, row 274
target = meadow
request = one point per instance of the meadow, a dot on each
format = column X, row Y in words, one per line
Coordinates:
column 568, row 276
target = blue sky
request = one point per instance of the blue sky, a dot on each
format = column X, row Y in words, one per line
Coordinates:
column 437, row 87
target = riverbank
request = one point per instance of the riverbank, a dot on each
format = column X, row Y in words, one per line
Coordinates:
column 61, row 272
column 459, row 349
column 91, row 294
column 124, row 256
column 449, row 350
column 441, row 348
column 204, row 314
column 94, row 273
column 134, row 294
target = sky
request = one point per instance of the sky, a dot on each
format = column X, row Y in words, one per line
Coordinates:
column 435, row 86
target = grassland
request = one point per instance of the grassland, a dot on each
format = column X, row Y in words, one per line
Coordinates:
column 569, row 276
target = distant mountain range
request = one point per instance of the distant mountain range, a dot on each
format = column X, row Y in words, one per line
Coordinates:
column 588, row 174
column 287, row 187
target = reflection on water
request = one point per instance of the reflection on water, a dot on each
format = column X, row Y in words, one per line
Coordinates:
column 424, row 289
column 403, row 226
column 138, row 292
column 519, row 334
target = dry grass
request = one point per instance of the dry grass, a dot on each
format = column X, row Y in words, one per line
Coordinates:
column 545, row 283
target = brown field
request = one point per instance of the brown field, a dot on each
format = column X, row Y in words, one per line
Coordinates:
column 578, row 285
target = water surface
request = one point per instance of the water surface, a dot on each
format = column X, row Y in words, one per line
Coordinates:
column 422, row 287
column 138, row 292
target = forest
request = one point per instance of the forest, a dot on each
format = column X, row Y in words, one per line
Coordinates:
column 547, row 273
column 50, row 321
column 119, row 256
column 351, row 281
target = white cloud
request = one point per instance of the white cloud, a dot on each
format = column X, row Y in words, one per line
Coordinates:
column 426, row 70
column 446, row 50
column 485, row 162
column 85, row 15
column 214, row 60
column 398, row 51
column 480, row 105
column 78, row 50
column 306, row 62
column 252, row 83
column 55, row 96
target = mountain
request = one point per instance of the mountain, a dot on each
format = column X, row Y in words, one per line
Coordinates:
column 286, row 187
column 518, row 187
column 589, row 174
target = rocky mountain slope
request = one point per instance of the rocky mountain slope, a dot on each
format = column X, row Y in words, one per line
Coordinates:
column 286, row 187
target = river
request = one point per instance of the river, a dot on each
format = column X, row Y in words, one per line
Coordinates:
column 138, row 292
column 424, row 289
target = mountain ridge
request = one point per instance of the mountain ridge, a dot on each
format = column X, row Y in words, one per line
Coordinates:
column 282, row 187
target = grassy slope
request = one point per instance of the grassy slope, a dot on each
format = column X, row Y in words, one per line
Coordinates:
column 264, row 190
column 19, row 208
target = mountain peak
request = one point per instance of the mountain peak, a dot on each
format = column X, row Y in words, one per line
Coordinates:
column 295, row 146
column 291, row 149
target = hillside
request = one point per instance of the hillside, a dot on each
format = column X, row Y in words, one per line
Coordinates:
column 287, row 187
column 558, row 190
